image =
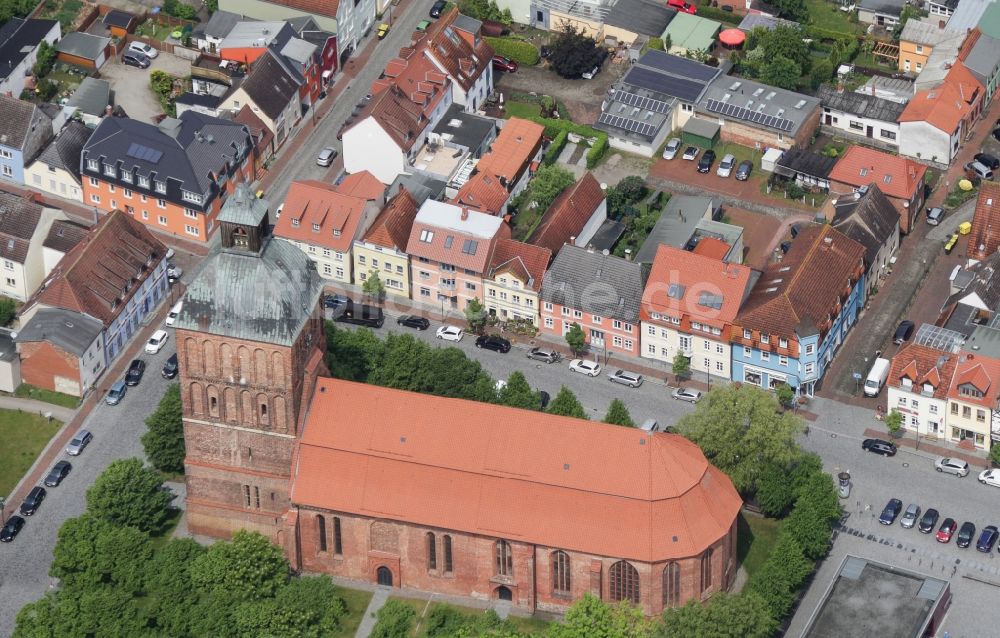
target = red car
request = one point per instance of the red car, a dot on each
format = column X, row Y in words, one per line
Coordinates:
column 682, row 6
column 946, row 531
column 504, row 64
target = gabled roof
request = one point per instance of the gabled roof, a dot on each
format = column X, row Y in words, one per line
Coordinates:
column 258, row 130
column 595, row 283
column 391, row 228
column 757, row 105
column 270, row 85
column 118, row 18
column 885, row 7
column 982, row 373
column 982, row 57
column 861, row 104
column 666, row 75
column 896, row 176
column 464, row 59
column 221, row 23
column 64, row 235
column 482, row 192
column 318, row 213
column 642, row 17
column 799, row 295
column 712, row 247
column 805, row 162
column 509, row 473
column 925, row 33
column 401, row 119
column 450, row 234
column 70, row 331
column 946, row 106
column 19, row 217
column 526, row 262
column 695, row 287
column 984, row 240
column 325, row 8
column 17, row 118
column 92, row 97
column 82, row 45
column 512, row 150
column 18, row 38
column 64, row 151
column 869, row 219
column 363, row 185
column 981, row 286
column 568, row 214
column 924, row 365
column 104, row 271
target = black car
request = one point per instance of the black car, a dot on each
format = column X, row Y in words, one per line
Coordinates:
column 903, row 332
column 544, row 398
column 743, row 170
column 965, row 534
column 136, row 59
column 335, row 301
column 996, row 134
column 11, row 528
column 706, row 161
column 493, row 342
column 891, row 511
column 878, row 446
column 32, row 501
column 989, row 161
column 361, row 314
column 58, row 473
column 413, row 321
column 437, row 8
column 135, row 371
column 170, row 368
column 987, row 539
column 928, row 521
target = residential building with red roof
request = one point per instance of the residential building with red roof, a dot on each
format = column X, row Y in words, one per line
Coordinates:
column 919, row 381
column 455, row 44
column 800, row 311
column 936, row 120
column 383, row 247
column 514, row 280
column 900, row 179
column 574, row 217
column 974, row 392
column 324, row 220
column 450, row 249
column 688, row 307
column 985, row 236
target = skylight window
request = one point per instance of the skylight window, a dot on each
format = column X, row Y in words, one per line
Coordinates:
column 426, row 236
column 676, row 291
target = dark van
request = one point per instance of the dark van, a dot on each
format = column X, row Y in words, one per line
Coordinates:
column 362, row 315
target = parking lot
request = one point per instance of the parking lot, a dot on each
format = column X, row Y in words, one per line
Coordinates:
column 131, row 85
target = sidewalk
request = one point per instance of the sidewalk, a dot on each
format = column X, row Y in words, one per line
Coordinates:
column 42, row 408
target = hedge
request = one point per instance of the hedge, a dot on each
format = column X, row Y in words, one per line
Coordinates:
column 556, row 147
column 705, row 11
column 517, row 50
column 597, row 151
column 553, row 128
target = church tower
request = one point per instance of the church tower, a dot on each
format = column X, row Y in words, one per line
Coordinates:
column 250, row 345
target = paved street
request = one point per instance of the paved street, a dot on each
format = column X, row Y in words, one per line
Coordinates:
column 24, row 563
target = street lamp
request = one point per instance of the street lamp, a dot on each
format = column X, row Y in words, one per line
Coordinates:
column 3, row 503
column 708, row 373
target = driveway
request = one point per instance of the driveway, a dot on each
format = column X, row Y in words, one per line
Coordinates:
column 131, row 85
column 582, row 97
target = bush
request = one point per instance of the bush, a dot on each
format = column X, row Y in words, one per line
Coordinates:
column 46, row 89
column 8, row 309
column 597, row 151
column 395, row 620
column 180, row 10
column 45, row 60
column 656, row 44
column 556, row 147
column 727, row 17
column 517, row 50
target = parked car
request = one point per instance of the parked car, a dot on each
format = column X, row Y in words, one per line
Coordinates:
column 437, row 8
column 80, row 441
column 691, row 153
column 946, row 531
column 903, row 332
column 726, row 166
column 987, row 539
column 682, row 6
column 585, row 366
column 135, row 372
column 157, row 341
column 143, row 49
column 500, row 63
column 990, row 477
column 631, row 379
column 891, row 511
column 450, row 333
column 493, row 342
column 544, row 354
column 928, row 521
column 686, row 394
column 958, row 467
column 965, row 534
column 706, row 161
column 326, row 156
column 174, row 312
column 910, row 516
column 174, row 273
column 591, row 74
column 934, row 216
column 335, row 301
column 672, row 148
column 743, row 170
column 383, row 30
column 58, row 473
column 361, row 314
column 31, row 502
column 878, row 446
column 991, row 162
column 136, row 59
column 413, row 321
column 11, row 528
column 170, row 368
column 116, row 393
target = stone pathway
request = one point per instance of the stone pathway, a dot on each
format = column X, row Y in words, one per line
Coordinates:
column 40, row 407
column 379, row 599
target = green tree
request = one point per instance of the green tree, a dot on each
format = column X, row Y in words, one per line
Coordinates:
column 681, row 365
column 373, row 286
column 995, row 455
column 8, row 310
column 247, row 568
column 128, row 493
column 779, row 579
column 476, row 315
column 894, row 422
column 575, row 338
column 212, row 6
column 724, row 616
column 593, row 618
column 574, row 53
column 779, row 486
column 656, row 44
column 815, row 511
column 566, row 404
column 618, row 414
column 101, row 611
column 174, row 599
column 781, row 72
column 15, row 9
column 164, row 442
column 785, row 395
column 306, row 607
column 92, row 552
column 352, row 354
column 46, row 89
column 741, row 430
column 45, row 59
column 516, row 393
column 792, row 9
column 632, row 188
column 394, row 620
column 549, row 181
column 178, row 9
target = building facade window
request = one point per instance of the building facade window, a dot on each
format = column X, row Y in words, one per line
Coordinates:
column 706, row 570
column 432, row 560
column 338, row 547
column 446, row 548
column 624, row 582
column 560, row 573
column 671, row 584
column 504, row 559
column 321, row 532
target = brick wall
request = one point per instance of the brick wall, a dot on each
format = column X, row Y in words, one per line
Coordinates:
column 42, row 362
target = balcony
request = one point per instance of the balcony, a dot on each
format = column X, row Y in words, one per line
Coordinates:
column 215, row 69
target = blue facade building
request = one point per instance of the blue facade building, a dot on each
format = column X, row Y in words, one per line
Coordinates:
column 800, row 312
column 24, row 131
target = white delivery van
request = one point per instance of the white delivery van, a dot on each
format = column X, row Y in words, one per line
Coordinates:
column 174, row 311
column 876, row 377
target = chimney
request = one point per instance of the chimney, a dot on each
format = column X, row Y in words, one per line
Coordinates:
column 628, row 254
column 108, row 110
column 465, row 214
column 572, row 239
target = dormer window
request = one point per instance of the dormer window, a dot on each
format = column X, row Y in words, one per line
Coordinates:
column 161, row 187
column 186, row 196
column 92, row 165
column 336, row 232
column 782, row 343
column 143, row 182
column 906, row 383
column 109, row 170
column 315, row 228
column 928, row 388
column 969, row 390
column 126, row 177
column 747, row 334
column 427, row 236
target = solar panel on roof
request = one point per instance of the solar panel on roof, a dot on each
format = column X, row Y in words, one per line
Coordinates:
column 679, row 66
column 740, row 113
column 644, row 103
column 144, row 153
column 682, row 89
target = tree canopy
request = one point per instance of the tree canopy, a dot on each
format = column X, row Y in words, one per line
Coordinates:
column 574, row 53
column 724, row 616
column 164, row 442
column 566, row 404
column 618, row 414
column 516, row 393
column 594, row 618
column 575, row 339
column 128, row 493
column 549, row 181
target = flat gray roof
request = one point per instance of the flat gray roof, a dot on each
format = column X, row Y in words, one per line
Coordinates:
column 676, row 224
column 757, row 105
column 466, row 129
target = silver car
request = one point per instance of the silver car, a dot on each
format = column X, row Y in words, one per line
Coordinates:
column 910, row 516
column 544, row 354
column 326, row 156
column 686, row 394
column 958, row 467
column 631, row 379
column 672, row 148
column 726, row 166
column 79, row 442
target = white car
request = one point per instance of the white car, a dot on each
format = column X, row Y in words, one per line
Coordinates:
column 174, row 312
column 990, row 477
column 726, row 166
column 174, row 272
column 672, row 148
column 583, row 366
column 958, row 467
column 450, row 333
column 143, row 48
column 684, row 394
column 157, row 341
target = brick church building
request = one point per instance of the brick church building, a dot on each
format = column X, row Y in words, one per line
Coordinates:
column 410, row 490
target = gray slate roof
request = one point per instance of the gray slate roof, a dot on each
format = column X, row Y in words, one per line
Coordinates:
column 885, row 7
column 92, row 96
column 595, row 283
column 18, row 37
column 861, row 104
column 641, row 16
column 82, row 45
column 985, row 283
column 19, row 218
column 270, row 85
column 266, row 298
column 801, row 161
column 222, row 22
column 16, row 119
column 66, row 329
column 117, row 18
column 870, row 220
column 463, row 22
column 983, row 58
column 64, row 151
column 64, row 235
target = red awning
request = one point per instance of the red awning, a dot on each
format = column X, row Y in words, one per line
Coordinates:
column 732, row 37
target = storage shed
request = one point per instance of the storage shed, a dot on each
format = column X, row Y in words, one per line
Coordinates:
column 703, row 133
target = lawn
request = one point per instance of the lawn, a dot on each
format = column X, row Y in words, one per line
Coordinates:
column 357, row 602
column 26, row 391
column 827, row 15
column 24, row 436
column 523, row 625
column 520, row 109
column 756, row 536
column 65, row 12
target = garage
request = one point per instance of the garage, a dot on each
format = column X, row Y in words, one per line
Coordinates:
column 83, row 49
column 703, row 133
